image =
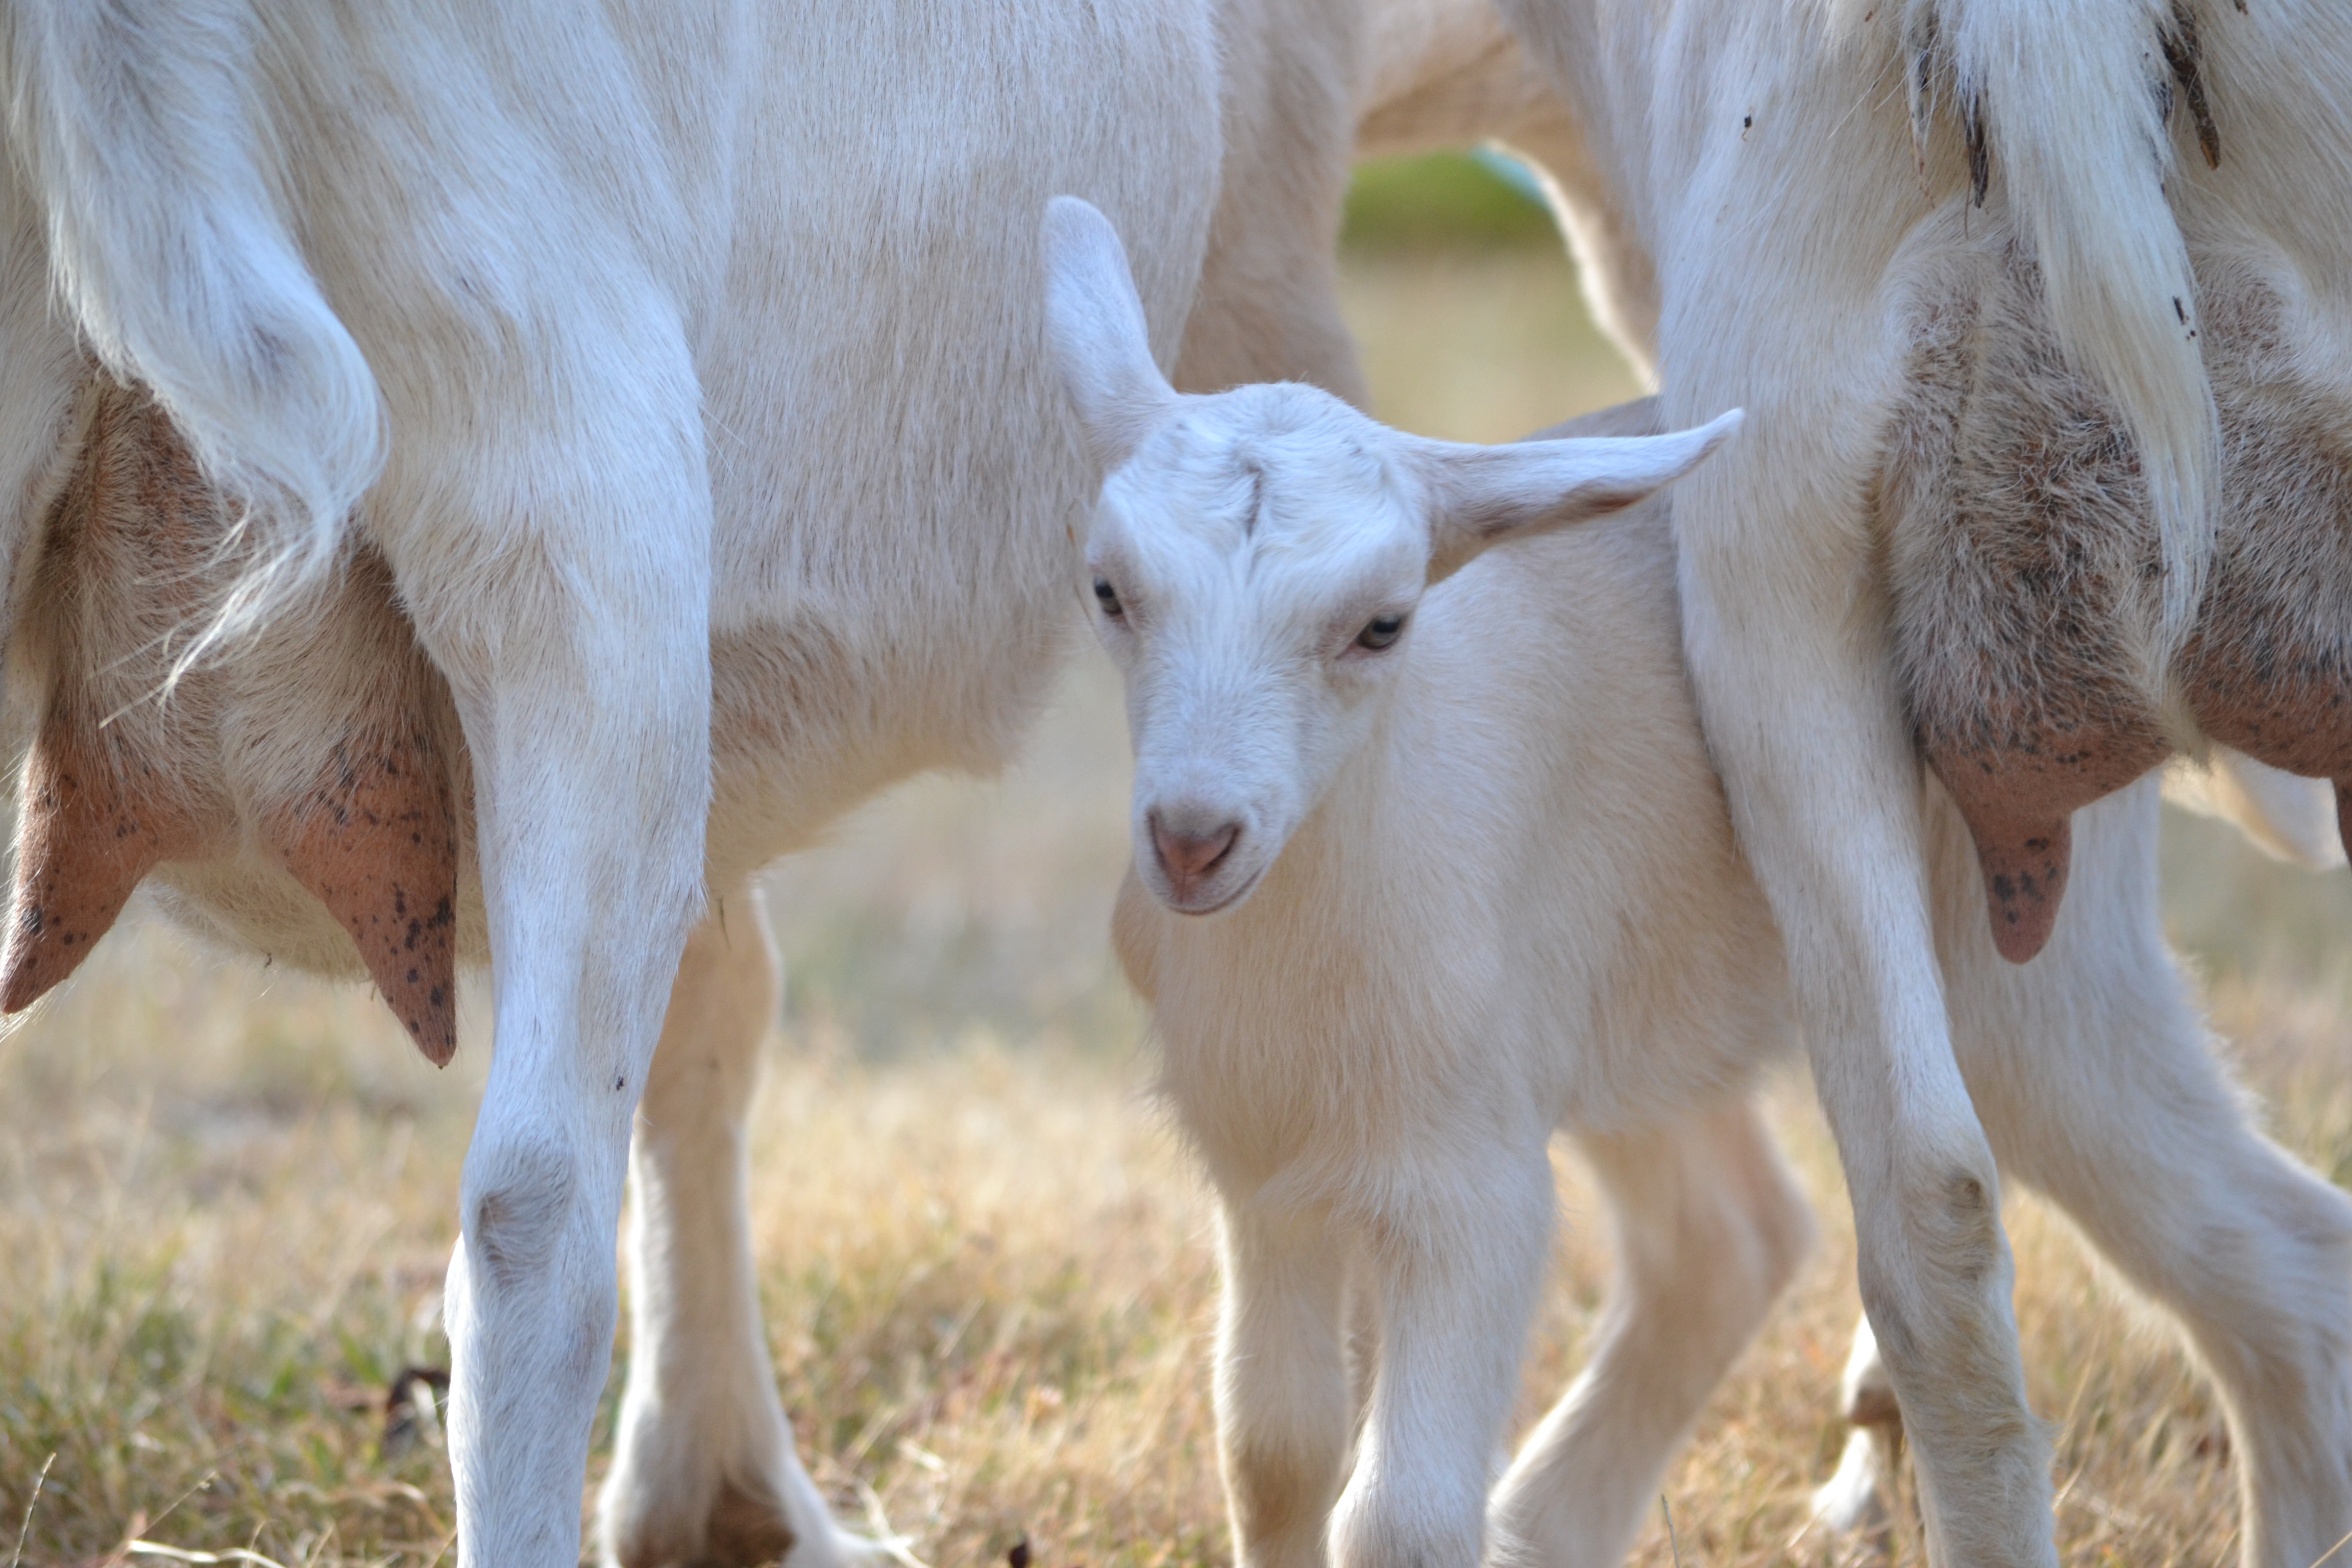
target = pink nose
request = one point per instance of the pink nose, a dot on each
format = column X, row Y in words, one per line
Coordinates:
column 1189, row 856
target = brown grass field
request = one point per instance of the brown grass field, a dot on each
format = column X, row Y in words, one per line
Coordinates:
column 226, row 1195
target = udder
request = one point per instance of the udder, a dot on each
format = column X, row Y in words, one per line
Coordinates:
column 2027, row 574
column 2269, row 667
column 319, row 754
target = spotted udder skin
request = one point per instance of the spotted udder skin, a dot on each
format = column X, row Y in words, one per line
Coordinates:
column 95, row 819
column 105, row 797
column 376, row 842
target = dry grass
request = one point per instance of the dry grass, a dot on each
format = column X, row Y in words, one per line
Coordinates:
column 226, row 1197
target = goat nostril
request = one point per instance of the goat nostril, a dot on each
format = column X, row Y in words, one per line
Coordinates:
column 1189, row 855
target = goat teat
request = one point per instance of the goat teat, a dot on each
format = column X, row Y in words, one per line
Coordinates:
column 320, row 752
column 1256, row 559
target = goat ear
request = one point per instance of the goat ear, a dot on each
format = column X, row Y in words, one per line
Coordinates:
column 1100, row 342
column 1478, row 496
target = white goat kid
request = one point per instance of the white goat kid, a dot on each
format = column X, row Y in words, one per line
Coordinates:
column 1480, row 884
column 1503, row 821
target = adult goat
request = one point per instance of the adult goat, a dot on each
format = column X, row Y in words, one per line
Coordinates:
column 503, row 475
column 2027, row 304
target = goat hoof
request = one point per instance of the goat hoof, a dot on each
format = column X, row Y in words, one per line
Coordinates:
column 745, row 1528
column 1853, row 1501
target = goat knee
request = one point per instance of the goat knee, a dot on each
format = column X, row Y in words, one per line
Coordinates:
column 516, row 1210
column 1952, row 1250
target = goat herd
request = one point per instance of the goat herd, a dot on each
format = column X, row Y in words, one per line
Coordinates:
column 484, row 481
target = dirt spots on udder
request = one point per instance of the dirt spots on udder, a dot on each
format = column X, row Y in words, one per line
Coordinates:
column 2024, row 570
column 104, row 799
column 2026, row 566
column 376, row 842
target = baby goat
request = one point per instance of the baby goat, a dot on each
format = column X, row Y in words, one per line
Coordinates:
column 1480, row 884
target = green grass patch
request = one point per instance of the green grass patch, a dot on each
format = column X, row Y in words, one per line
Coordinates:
column 1446, row 201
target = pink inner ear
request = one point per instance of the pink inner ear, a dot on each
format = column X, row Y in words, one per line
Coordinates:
column 375, row 840
column 96, row 819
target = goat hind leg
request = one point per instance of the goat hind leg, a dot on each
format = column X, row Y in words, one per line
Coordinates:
column 1709, row 1228
column 1802, row 720
column 561, row 580
column 704, row 1470
column 1858, row 1498
column 2098, row 1087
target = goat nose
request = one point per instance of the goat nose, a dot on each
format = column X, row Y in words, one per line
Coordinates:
column 1189, row 856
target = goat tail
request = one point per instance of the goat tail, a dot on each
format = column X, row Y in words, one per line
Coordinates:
column 2068, row 100
column 144, row 136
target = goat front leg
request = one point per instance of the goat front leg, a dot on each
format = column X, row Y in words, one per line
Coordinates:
column 1454, row 1261
column 1284, row 1414
column 704, row 1470
column 1709, row 1228
column 561, row 581
column 1786, row 633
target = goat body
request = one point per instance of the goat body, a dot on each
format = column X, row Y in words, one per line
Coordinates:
column 1517, row 907
column 1472, row 880
column 1420, row 876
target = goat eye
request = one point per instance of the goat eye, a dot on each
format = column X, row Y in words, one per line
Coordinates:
column 1107, row 597
column 1381, row 631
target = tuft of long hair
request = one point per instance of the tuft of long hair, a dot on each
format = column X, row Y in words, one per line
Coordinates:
column 140, row 132
column 2064, row 102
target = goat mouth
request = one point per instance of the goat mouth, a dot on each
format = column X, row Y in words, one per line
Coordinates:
column 1222, row 902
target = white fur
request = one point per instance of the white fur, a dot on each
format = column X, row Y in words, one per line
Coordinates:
column 1459, row 79
column 686, row 365
column 1461, row 862
column 722, row 479
column 1483, row 886
column 702, row 352
column 146, row 140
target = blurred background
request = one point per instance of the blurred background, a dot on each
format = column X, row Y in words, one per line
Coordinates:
column 227, row 1195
